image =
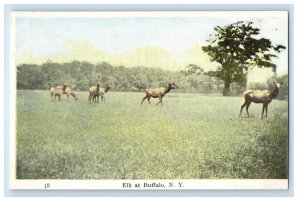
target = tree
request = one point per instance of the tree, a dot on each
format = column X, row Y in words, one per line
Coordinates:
column 192, row 69
column 237, row 48
column 54, row 74
column 194, row 79
column 30, row 76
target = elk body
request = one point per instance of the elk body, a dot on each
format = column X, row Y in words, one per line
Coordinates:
column 102, row 92
column 68, row 91
column 158, row 93
column 57, row 92
column 94, row 92
column 259, row 96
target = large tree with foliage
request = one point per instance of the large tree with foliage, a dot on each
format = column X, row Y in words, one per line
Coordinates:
column 238, row 48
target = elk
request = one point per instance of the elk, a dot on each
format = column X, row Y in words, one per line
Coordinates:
column 259, row 96
column 57, row 92
column 51, row 89
column 102, row 92
column 94, row 90
column 158, row 92
column 68, row 91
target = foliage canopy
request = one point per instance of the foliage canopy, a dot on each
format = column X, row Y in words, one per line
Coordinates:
column 238, row 48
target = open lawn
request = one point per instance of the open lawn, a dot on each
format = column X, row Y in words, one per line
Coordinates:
column 191, row 136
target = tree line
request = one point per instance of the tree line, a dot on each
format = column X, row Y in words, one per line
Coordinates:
column 80, row 75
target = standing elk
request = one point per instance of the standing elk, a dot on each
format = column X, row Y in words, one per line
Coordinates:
column 94, row 90
column 102, row 92
column 57, row 92
column 158, row 92
column 259, row 96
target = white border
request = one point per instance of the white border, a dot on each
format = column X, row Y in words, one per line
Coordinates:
column 213, row 184
column 12, row 99
column 112, row 14
column 205, row 184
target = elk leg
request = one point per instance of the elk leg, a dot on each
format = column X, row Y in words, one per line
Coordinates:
column 68, row 97
column 89, row 99
column 149, row 99
column 160, row 101
column 242, row 107
column 266, row 108
column 97, row 99
column 263, row 110
column 247, row 106
column 144, row 98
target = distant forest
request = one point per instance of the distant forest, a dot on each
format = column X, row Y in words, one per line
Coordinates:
column 80, row 75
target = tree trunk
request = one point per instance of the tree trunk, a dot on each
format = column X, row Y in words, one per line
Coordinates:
column 227, row 90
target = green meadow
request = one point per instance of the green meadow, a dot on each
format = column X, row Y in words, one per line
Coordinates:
column 192, row 136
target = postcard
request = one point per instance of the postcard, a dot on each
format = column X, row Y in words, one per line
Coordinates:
column 149, row 100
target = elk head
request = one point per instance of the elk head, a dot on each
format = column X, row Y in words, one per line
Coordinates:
column 98, row 78
column 108, row 86
column 172, row 85
column 277, row 84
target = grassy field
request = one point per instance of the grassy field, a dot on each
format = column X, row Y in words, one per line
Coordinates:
column 190, row 137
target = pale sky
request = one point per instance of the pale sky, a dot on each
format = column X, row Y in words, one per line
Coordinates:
column 165, row 41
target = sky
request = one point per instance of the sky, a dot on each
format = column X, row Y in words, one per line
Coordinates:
column 166, row 40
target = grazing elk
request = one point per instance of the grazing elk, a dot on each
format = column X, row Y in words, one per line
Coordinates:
column 158, row 92
column 68, row 92
column 94, row 90
column 259, row 96
column 102, row 92
column 57, row 92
